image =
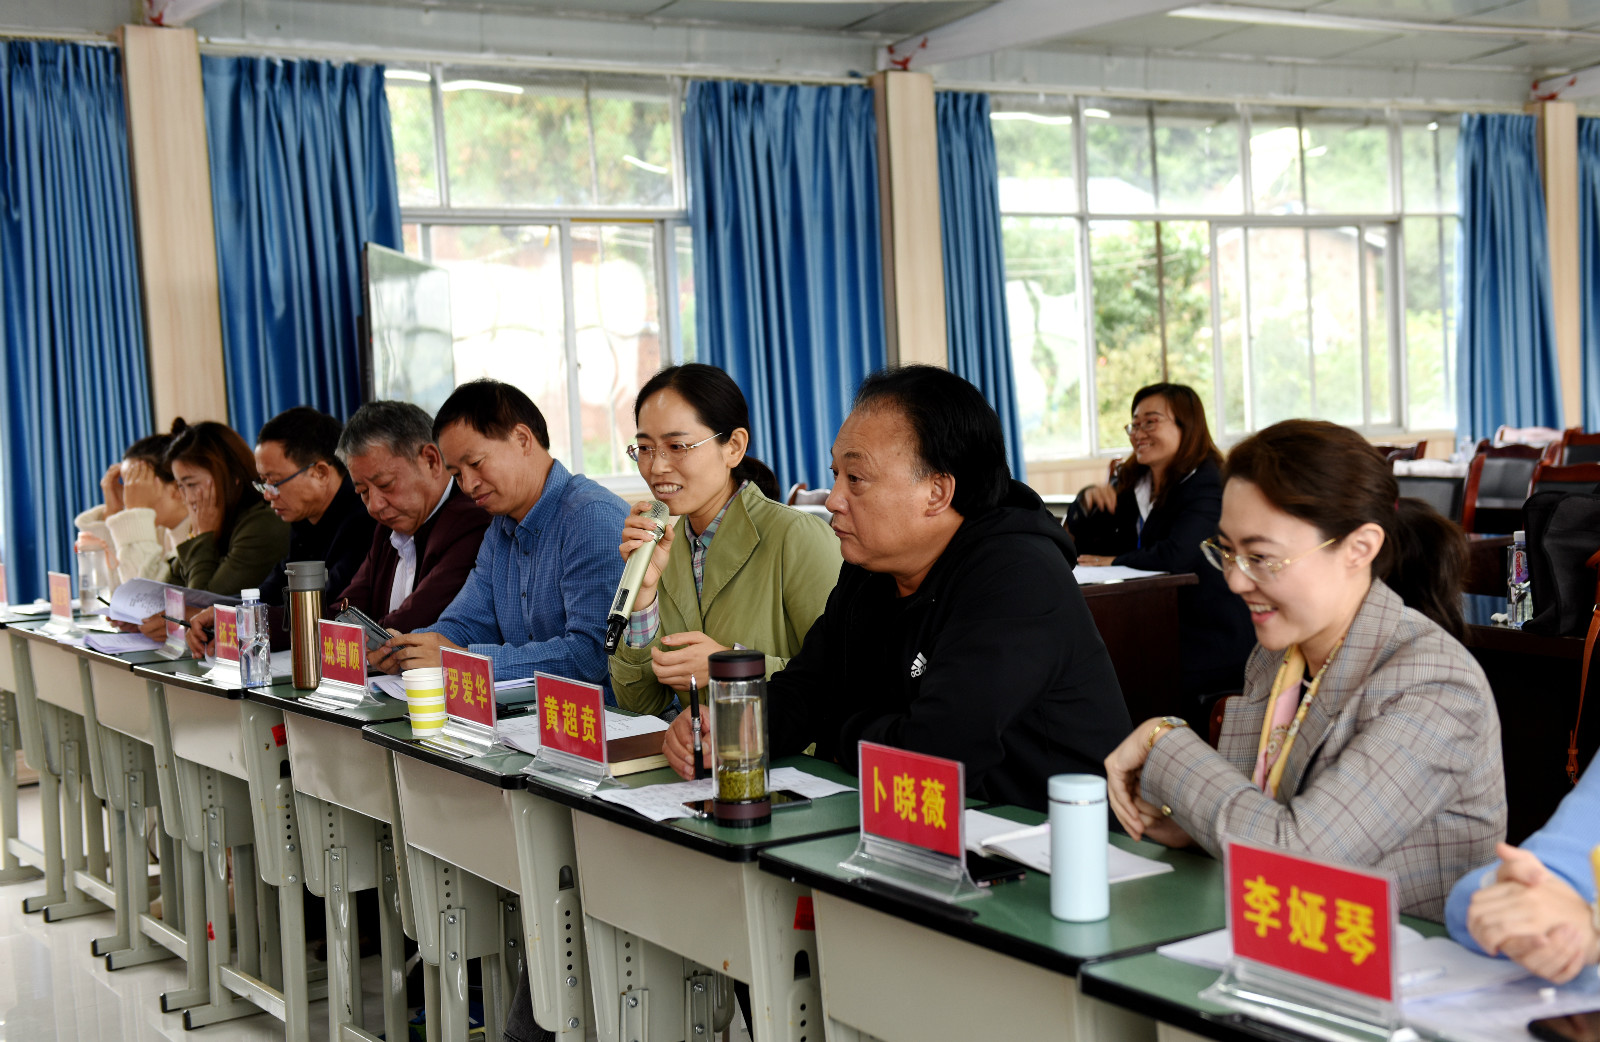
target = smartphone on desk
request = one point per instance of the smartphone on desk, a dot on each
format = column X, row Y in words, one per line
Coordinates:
column 782, row 799
column 1575, row 1027
column 376, row 634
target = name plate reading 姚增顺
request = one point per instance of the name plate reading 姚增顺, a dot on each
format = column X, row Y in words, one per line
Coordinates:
column 1313, row 946
column 468, row 704
column 344, row 667
column 572, row 733
column 911, row 823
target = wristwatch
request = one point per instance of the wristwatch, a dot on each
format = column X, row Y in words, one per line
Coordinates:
column 1162, row 726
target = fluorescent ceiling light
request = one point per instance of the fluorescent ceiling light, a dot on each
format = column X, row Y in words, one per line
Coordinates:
column 1097, row 113
column 1032, row 117
column 488, row 85
column 1433, row 126
column 642, row 165
column 406, row 74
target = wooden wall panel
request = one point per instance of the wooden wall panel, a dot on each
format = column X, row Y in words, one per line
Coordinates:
column 1558, row 158
column 913, row 250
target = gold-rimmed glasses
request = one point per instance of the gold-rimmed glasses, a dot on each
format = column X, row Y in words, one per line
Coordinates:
column 1255, row 567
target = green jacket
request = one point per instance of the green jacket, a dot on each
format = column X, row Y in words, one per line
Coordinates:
column 768, row 574
column 259, row 541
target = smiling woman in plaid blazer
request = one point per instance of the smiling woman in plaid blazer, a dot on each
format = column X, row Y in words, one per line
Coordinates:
column 1366, row 733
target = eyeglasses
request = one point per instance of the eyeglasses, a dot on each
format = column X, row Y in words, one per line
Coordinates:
column 672, row 451
column 1258, row 569
column 271, row 489
column 1148, row 425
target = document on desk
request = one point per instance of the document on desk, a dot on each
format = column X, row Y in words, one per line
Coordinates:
column 282, row 669
column 1496, row 1013
column 522, row 732
column 666, row 801
column 120, row 643
column 1030, row 846
column 1111, row 573
column 138, row 599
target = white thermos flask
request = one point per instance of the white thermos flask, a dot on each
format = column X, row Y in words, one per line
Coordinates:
column 1080, row 887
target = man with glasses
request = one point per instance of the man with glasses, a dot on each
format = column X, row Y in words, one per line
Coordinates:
column 305, row 484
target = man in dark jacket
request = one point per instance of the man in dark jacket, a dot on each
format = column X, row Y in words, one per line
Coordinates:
column 956, row 627
column 428, row 529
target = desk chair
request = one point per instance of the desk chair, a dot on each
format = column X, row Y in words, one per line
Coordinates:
column 1416, row 450
column 1576, row 447
column 1441, row 493
column 1576, row 477
column 1498, row 480
column 801, row 494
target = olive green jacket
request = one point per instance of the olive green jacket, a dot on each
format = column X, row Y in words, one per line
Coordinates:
column 260, row 540
column 768, row 574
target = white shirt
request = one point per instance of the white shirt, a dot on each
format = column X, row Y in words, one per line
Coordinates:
column 405, row 573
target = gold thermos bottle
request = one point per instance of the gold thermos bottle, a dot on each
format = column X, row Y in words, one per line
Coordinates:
column 306, row 581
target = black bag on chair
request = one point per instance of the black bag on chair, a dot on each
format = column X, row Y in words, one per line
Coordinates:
column 1563, row 532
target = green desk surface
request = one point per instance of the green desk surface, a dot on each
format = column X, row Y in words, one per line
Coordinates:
column 186, row 673
column 29, row 628
column 287, row 697
column 1168, row 990
column 827, row 816
column 501, row 769
column 1015, row 919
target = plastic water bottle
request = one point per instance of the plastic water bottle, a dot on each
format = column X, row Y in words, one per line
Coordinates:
column 1519, row 601
column 255, row 642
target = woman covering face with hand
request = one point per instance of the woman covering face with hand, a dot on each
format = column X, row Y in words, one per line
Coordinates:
column 735, row 568
column 143, row 517
column 1366, row 733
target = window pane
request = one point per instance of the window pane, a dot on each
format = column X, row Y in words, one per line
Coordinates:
column 1275, row 162
column 411, row 240
column 1119, row 157
column 1279, row 355
column 632, row 141
column 505, row 299
column 1045, row 313
column 683, row 240
column 1335, row 323
column 619, row 335
column 515, row 141
column 1347, row 165
column 1229, row 268
column 1380, row 365
column 1186, row 272
column 1033, row 150
column 1430, row 325
column 1127, row 327
column 411, row 122
column 1197, row 160
column 1428, row 165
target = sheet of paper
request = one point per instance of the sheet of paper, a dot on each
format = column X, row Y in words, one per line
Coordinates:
column 988, row 834
column 36, row 608
column 1110, row 573
column 620, row 725
column 1428, row 966
column 1501, row 1012
column 519, row 732
column 663, row 802
column 120, row 643
column 138, row 599
column 807, row 785
column 384, row 684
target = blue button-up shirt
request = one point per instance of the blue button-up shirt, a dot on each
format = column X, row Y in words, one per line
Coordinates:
column 538, row 595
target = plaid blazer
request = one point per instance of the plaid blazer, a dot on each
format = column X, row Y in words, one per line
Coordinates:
column 1397, row 765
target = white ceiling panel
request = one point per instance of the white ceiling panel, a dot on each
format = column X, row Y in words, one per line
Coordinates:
column 780, row 15
column 910, row 19
column 1540, row 57
column 1413, row 10
column 1159, row 31
column 1432, row 47
column 1544, row 14
column 1288, row 42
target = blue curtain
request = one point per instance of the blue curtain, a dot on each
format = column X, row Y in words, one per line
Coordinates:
column 73, row 374
column 302, row 174
column 974, row 260
column 783, row 206
column 1505, row 342
column 1589, row 265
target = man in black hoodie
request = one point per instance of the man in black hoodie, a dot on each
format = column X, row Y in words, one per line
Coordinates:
column 956, row 627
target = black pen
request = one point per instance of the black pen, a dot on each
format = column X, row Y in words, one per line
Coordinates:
column 694, row 725
column 182, row 622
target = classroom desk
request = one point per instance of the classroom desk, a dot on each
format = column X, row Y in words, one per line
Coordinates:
column 655, row 882
column 1138, row 620
column 479, row 851
column 1005, row 964
column 1169, row 991
column 19, row 861
column 1486, row 564
column 223, row 777
column 343, row 793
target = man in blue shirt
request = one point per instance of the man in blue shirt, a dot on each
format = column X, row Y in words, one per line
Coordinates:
column 1534, row 905
column 548, row 566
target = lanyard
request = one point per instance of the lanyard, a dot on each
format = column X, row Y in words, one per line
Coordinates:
column 1289, row 674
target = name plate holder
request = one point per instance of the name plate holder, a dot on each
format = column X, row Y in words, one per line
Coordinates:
column 173, row 608
column 62, row 623
column 344, row 668
column 469, row 705
column 224, row 671
column 1313, row 947
column 572, row 735
column 912, row 830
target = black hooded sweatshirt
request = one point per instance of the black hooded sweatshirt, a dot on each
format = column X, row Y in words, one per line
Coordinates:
column 994, row 661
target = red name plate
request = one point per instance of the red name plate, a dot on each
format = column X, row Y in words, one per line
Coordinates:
column 227, row 633
column 60, row 594
column 344, row 652
column 911, row 797
column 173, row 609
column 571, row 717
column 1327, row 923
column 468, row 686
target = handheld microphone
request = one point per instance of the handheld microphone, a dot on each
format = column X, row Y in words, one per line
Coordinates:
column 632, row 576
